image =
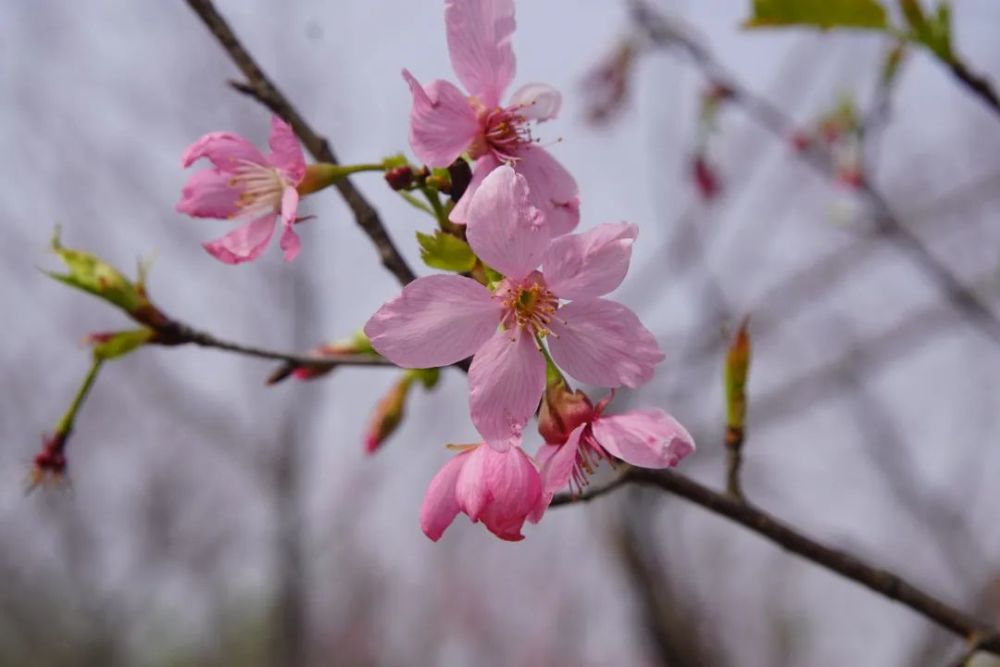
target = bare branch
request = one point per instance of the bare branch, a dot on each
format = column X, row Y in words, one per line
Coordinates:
column 177, row 333
column 665, row 33
column 882, row 581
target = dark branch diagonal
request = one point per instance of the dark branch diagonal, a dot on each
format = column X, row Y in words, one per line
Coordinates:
column 882, row 581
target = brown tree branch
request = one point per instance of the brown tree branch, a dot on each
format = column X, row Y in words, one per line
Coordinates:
column 976, row 83
column 882, row 581
column 178, row 333
column 261, row 88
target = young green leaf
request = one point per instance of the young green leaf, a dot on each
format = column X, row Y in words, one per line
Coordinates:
column 822, row 14
column 446, row 252
column 119, row 343
column 92, row 274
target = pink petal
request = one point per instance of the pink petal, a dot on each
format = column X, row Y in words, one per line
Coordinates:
column 208, row 194
column 644, row 438
column 479, row 33
column 591, row 264
column 536, row 101
column 515, row 489
column 557, row 463
column 472, row 492
column 504, row 230
column 289, row 242
column 442, row 123
column 440, row 506
column 603, row 343
column 484, row 165
column 286, row 152
column 506, row 381
column 553, row 190
column 245, row 243
column 436, row 321
column 225, row 149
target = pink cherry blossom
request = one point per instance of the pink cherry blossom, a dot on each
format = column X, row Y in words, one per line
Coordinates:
column 439, row 320
column 501, row 489
column 244, row 184
column 444, row 122
column 647, row 438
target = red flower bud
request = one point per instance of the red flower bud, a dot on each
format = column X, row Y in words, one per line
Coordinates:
column 800, row 140
column 461, row 176
column 49, row 465
column 705, row 178
column 399, row 178
column 562, row 411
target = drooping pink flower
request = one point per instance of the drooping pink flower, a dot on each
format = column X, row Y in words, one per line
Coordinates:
column 244, row 184
column 439, row 320
column 501, row 489
column 647, row 438
column 444, row 122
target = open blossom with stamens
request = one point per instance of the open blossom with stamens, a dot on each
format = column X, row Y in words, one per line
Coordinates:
column 501, row 489
column 439, row 320
column 244, row 184
column 444, row 122
column 578, row 437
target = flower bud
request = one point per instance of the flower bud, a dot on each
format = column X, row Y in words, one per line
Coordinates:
column 49, row 465
column 388, row 415
column 705, row 178
column 562, row 411
column 399, row 178
column 461, row 176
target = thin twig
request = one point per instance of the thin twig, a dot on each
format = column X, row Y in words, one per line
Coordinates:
column 261, row 88
column 177, row 333
column 976, row 83
column 734, row 463
column 669, row 34
column 882, row 581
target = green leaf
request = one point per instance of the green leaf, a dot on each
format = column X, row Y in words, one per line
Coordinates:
column 934, row 32
column 821, row 14
column 92, row 274
column 119, row 343
column 446, row 252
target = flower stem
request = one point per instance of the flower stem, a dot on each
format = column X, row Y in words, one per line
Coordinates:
column 324, row 174
column 552, row 373
column 65, row 424
column 439, row 213
column 416, row 203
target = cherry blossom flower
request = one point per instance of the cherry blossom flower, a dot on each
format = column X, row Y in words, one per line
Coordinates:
column 439, row 320
column 501, row 489
column 246, row 185
column 578, row 436
column 444, row 122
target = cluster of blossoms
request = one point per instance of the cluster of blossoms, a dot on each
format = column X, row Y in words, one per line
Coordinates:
column 535, row 310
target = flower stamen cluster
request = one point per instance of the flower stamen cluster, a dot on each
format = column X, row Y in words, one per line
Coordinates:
column 528, row 305
column 261, row 188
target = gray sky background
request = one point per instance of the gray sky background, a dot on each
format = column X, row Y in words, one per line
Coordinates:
column 101, row 98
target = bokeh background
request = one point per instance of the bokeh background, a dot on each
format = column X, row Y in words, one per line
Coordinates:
column 211, row 520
